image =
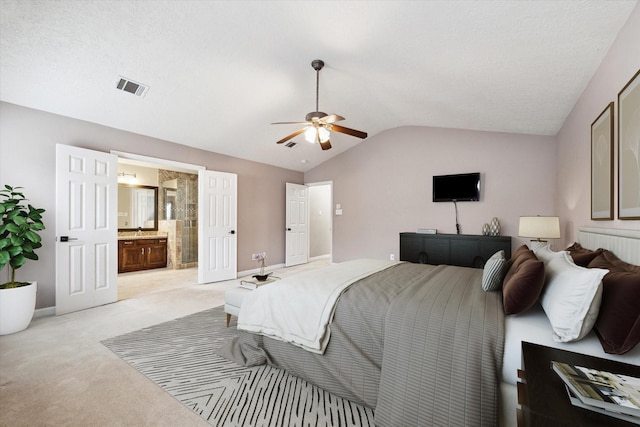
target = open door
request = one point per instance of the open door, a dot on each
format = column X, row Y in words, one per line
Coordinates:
column 86, row 228
column 297, row 227
column 217, row 222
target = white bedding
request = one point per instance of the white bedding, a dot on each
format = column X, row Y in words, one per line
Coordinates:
column 271, row 310
column 533, row 326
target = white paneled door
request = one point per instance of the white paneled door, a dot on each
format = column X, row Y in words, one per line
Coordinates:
column 86, row 228
column 297, row 227
column 217, row 222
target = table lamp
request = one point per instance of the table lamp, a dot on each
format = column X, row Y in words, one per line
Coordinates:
column 539, row 228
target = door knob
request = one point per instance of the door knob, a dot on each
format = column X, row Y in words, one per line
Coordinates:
column 232, row 232
column 66, row 238
column 288, row 229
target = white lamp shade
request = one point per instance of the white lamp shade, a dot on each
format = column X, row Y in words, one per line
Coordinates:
column 539, row 227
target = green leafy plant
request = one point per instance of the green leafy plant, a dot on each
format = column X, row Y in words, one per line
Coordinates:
column 19, row 226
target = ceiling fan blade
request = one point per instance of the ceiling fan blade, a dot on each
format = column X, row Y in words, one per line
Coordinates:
column 331, row 118
column 325, row 145
column 288, row 137
column 291, row 123
column 352, row 132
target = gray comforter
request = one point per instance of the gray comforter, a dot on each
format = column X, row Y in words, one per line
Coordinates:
column 419, row 344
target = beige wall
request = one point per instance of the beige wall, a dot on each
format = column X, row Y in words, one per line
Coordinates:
column 574, row 139
column 27, row 159
column 384, row 185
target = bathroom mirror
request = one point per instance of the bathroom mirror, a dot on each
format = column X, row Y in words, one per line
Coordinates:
column 137, row 208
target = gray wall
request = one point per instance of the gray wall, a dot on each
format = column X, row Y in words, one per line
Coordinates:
column 574, row 147
column 27, row 159
column 384, row 185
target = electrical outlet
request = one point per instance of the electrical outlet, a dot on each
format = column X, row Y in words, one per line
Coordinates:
column 392, row 257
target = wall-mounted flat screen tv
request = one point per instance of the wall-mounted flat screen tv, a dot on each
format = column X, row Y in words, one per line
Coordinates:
column 459, row 188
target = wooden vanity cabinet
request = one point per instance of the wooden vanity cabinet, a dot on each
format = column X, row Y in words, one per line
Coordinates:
column 141, row 254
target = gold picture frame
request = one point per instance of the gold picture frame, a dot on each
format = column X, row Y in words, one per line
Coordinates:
column 629, row 150
column 602, row 166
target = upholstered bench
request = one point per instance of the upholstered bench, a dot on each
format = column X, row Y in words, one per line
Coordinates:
column 233, row 297
column 233, row 300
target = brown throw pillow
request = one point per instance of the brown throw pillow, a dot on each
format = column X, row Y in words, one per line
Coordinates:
column 523, row 283
column 618, row 324
column 516, row 255
column 582, row 256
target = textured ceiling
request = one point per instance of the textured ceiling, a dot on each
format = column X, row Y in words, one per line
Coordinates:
column 221, row 71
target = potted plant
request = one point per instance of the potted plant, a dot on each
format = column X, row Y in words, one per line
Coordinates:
column 260, row 258
column 19, row 226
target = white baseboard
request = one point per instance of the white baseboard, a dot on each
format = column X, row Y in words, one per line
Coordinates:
column 44, row 312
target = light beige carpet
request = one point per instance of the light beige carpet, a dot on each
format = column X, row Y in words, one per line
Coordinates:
column 57, row 373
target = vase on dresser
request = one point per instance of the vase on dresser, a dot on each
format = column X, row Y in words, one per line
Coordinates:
column 494, row 227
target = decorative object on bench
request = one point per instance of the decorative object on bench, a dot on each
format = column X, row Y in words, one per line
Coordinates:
column 260, row 258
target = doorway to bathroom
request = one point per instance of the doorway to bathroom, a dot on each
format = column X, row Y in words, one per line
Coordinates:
column 177, row 214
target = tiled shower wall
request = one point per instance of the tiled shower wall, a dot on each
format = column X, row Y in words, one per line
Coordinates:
column 183, row 252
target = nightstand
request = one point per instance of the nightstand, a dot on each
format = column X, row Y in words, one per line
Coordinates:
column 542, row 395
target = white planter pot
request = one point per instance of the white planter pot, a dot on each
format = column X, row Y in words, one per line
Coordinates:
column 17, row 306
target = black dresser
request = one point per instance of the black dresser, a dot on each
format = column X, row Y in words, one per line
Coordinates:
column 453, row 249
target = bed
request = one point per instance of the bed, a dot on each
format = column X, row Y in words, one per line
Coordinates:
column 426, row 345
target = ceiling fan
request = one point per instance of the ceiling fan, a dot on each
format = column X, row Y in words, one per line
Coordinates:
column 318, row 125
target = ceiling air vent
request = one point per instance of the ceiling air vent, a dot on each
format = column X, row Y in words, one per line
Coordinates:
column 128, row 85
column 290, row 144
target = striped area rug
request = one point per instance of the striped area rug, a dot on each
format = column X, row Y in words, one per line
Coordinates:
column 178, row 356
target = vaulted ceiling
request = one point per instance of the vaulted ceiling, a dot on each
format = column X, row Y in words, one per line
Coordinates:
column 220, row 72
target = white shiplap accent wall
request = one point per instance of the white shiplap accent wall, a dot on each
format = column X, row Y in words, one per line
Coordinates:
column 625, row 244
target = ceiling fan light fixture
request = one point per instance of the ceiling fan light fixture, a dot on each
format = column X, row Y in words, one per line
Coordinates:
column 318, row 125
column 324, row 134
column 311, row 132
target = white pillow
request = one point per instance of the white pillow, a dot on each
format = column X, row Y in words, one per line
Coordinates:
column 545, row 254
column 492, row 274
column 571, row 298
